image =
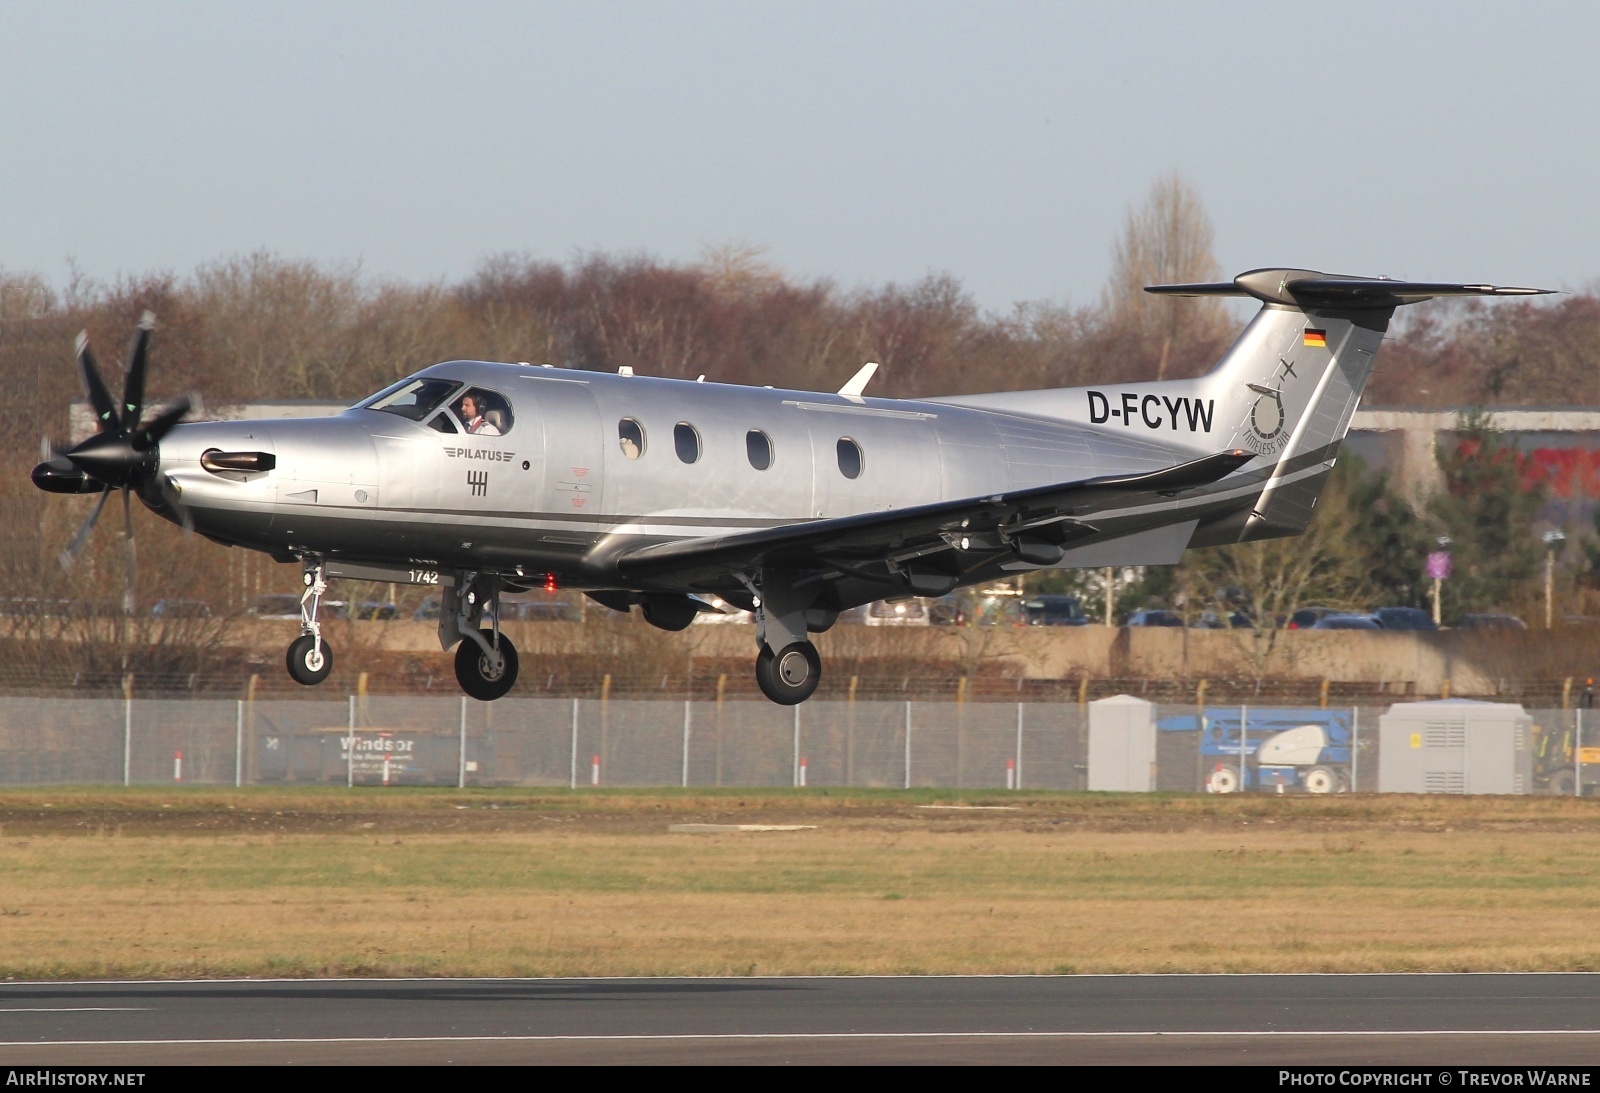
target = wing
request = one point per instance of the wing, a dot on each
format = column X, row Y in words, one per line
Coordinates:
column 1033, row 524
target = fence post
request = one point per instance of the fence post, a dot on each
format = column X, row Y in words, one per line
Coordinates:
column 686, row 703
column 1019, row 745
column 722, row 686
column 1355, row 745
column 238, row 747
column 797, row 744
column 850, row 735
column 461, row 751
column 1244, row 716
column 127, row 729
column 908, row 744
column 1577, row 753
column 350, row 748
column 574, row 743
column 250, row 719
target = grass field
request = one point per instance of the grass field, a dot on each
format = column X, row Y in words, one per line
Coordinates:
column 263, row 882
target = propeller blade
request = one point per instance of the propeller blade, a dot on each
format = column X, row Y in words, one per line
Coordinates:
column 133, row 382
column 150, row 435
column 70, row 555
column 105, row 411
column 127, row 554
column 169, row 496
column 52, row 453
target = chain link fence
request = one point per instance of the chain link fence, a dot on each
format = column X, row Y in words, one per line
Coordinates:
column 405, row 740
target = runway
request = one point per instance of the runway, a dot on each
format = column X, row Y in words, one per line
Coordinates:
column 1429, row 1020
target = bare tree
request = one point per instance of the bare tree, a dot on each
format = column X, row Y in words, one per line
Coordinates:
column 1165, row 240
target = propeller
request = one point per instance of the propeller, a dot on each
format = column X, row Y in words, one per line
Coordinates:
column 123, row 452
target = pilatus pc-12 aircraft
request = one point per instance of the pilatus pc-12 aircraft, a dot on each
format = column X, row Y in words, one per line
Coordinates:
column 797, row 505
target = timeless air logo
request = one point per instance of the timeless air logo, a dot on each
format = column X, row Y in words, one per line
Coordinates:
column 479, row 481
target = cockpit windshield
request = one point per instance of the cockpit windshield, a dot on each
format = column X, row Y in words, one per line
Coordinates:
column 414, row 399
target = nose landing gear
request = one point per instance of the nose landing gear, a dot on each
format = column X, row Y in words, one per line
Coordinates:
column 310, row 659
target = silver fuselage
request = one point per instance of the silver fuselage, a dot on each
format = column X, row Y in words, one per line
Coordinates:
column 557, row 493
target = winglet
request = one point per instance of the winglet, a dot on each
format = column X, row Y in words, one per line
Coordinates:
column 858, row 382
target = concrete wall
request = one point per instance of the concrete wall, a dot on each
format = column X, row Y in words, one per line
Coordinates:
column 1473, row 661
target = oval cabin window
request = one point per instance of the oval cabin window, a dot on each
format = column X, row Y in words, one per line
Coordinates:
column 849, row 458
column 630, row 437
column 758, row 446
column 687, row 441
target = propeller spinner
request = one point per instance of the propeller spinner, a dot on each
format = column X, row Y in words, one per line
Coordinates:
column 122, row 454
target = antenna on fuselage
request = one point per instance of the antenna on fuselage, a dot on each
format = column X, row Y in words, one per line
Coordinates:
column 858, row 382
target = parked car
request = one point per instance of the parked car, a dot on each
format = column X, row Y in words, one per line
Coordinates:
column 902, row 613
column 727, row 613
column 1152, row 617
column 537, row 611
column 1050, row 610
column 181, row 609
column 511, row 610
column 374, row 610
column 277, row 606
column 1404, row 618
column 1210, row 620
column 1491, row 621
column 1306, row 617
column 1346, row 622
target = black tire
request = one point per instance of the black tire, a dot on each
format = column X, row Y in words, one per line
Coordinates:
column 790, row 675
column 303, row 660
column 1223, row 780
column 475, row 673
column 1562, row 783
column 1321, row 780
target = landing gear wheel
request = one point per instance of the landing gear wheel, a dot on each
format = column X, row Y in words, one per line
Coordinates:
column 480, row 675
column 1223, row 780
column 309, row 660
column 790, row 675
column 1322, row 780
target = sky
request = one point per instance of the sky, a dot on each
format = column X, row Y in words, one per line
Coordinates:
column 861, row 142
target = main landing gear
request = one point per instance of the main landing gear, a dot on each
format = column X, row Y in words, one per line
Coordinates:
column 788, row 668
column 309, row 658
column 486, row 661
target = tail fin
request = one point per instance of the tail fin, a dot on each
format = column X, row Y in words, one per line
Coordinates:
column 1286, row 390
column 1294, row 378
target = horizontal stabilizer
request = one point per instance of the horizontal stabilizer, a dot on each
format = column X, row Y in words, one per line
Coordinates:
column 1307, row 288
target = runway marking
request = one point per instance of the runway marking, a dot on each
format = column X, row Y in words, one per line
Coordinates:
column 794, row 1036
column 74, row 1009
column 718, row 829
column 782, row 978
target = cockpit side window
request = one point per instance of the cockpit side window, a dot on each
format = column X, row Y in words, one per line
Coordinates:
column 483, row 412
column 414, row 399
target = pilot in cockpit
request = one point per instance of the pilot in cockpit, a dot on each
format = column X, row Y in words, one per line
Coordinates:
column 472, row 417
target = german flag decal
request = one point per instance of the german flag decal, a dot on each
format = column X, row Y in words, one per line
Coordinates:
column 1316, row 339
